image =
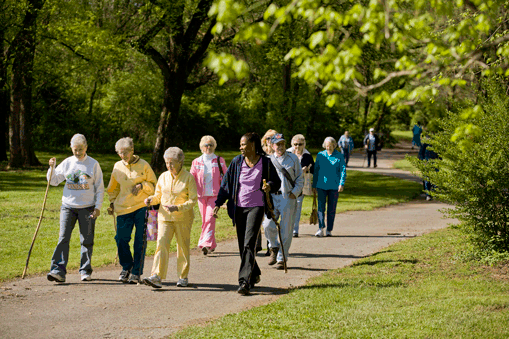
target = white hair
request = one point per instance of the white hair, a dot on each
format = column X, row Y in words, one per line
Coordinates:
column 331, row 140
column 174, row 153
column 124, row 143
column 299, row 137
column 208, row 139
column 78, row 140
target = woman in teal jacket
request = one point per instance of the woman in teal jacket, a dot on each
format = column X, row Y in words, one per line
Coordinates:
column 328, row 180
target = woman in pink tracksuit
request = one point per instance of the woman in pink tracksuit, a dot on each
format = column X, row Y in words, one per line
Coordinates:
column 208, row 176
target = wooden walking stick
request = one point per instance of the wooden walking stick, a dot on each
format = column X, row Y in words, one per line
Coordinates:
column 271, row 211
column 39, row 224
column 112, row 212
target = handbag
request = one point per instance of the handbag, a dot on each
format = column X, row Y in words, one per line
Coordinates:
column 308, row 183
column 151, row 217
column 313, row 218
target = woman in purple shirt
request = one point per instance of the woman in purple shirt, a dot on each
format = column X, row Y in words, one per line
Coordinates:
column 244, row 187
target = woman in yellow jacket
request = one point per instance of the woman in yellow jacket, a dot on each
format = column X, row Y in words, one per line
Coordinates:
column 132, row 181
column 176, row 193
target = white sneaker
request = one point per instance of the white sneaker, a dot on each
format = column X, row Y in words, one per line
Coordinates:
column 319, row 233
column 182, row 282
column 328, row 234
column 153, row 281
column 86, row 277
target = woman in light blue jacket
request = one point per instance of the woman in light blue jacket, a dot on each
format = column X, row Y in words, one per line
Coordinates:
column 328, row 180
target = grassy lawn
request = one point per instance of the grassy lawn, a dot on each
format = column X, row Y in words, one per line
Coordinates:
column 417, row 288
column 402, row 135
column 22, row 194
column 405, row 165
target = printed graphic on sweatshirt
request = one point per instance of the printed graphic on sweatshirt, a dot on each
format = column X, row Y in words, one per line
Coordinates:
column 78, row 181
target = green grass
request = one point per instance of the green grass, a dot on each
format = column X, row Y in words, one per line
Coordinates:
column 22, row 194
column 413, row 289
column 405, row 165
column 402, row 135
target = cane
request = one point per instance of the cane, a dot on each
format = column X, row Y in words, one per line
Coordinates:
column 112, row 213
column 271, row 211
column 39, row 224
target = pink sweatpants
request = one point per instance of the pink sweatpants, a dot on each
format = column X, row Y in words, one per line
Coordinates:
column 208, row 222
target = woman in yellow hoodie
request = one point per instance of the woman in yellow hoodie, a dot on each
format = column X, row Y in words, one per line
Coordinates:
column 132, row 181
column 177, row 195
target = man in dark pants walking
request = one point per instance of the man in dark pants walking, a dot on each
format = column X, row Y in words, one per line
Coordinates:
column 371, row 144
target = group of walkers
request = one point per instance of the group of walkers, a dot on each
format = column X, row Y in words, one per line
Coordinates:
column 262, row 188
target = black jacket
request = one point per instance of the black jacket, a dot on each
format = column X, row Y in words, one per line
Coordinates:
column 230, row 184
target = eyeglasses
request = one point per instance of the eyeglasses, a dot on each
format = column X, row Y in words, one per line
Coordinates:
column 208, row 145
column 298, row 144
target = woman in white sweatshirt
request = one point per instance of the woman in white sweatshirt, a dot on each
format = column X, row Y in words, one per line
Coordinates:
column 81, row 201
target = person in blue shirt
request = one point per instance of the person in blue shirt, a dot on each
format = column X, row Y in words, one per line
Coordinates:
column 329, row 178
column 346, row 145
column 425, row 154
column 416, row 130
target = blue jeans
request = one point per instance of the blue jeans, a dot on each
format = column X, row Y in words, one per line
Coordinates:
column 331, row 198
column 125, row 224
column 68, row 218
column 298, row 211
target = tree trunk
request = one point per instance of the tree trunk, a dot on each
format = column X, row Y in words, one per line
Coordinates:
column 20, row 134
column 168, row 122
column 4, row 99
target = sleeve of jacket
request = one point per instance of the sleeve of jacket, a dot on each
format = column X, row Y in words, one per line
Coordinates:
column 156, row 198
column 113, row 188
column 226, row 184
column 150, row 183
column 342, row 171
column 299, row 179
column 192, row 195
column 365, row 141
column 98, row 186
column 316, row 170
column 274, row 180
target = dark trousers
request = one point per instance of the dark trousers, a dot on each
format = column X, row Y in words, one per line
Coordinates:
column 248, row 222
column 125, row 225
column 346, row 154
column 371, row 153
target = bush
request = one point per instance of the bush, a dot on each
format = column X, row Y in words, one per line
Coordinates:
column 473, row 171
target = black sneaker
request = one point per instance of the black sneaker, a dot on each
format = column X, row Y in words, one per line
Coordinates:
column 255, row 281
column 124, row 276
column 243, row 289
column 134, row 279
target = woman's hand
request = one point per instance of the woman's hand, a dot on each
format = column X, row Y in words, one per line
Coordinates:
column 52, row 162
column 148, row 201
column 136, row 189
column 266, row 187
column 214, row 212
column 340, row 189
column 171, row 208
column 292, row 196
column 111, row 209
column 95, row 214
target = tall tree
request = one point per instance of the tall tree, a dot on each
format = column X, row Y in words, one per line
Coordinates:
column 186, row 32
column 22, row 51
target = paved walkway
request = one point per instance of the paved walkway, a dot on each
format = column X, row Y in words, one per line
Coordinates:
column 105, row 308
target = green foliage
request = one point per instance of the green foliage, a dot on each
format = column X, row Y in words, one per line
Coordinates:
column 473, row 173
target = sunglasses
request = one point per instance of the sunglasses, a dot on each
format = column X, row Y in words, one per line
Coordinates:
column 298, row 144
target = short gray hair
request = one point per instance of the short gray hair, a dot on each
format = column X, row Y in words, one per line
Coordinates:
column 208, row 138
column 124, row 143
column 174, row 153
column 331, row 140
column 299, row 137
column 78, row 139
